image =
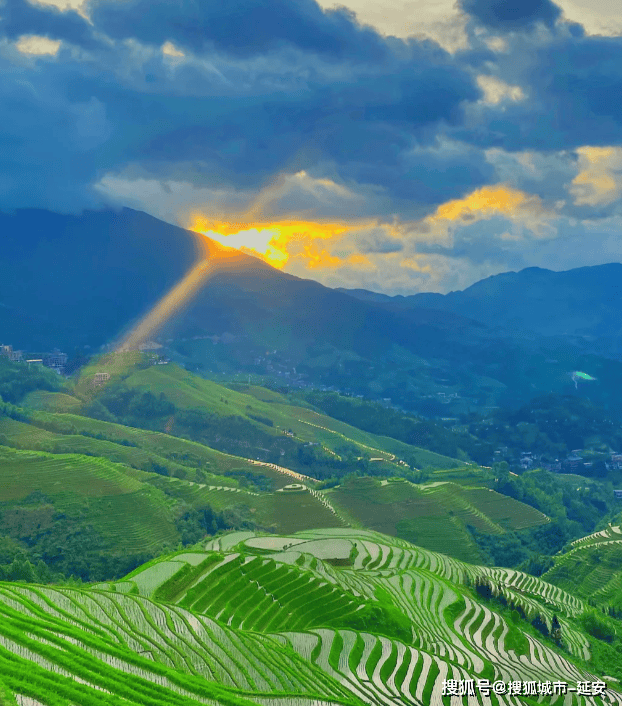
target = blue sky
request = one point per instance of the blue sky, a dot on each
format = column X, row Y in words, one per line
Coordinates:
column 398, row 146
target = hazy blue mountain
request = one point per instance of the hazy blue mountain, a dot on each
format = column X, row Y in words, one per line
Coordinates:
column 75, row 280
column 584, row 304
column 68, row 281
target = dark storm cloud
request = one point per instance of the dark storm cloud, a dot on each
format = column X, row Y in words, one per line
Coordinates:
column 362, row 126
column 511, row 15
column 50, row 146
column 240, row 27
column 282, row 86
column 369, row 122
column 573, row 84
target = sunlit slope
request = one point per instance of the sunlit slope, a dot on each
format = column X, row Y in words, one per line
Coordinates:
column 23, row 435
column 435, row 515
column 592, row 568
column 40, row 492
column 188, row 391
column 181, row 451
column 389, row 621
column 51, row 401
column 66, row 646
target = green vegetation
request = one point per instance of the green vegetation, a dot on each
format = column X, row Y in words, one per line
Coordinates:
column 19, row 379
column 273, row 615
column 438, row 516
column 415, row 431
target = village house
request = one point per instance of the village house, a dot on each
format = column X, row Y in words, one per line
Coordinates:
column 57, row 360
column 572, row 463
column 8, row 352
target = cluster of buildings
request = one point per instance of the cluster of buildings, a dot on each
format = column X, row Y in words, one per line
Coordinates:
column 573, row 463
column 56, row 360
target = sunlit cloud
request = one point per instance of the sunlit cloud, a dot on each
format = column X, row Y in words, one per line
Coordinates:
column 38, row 46
column 62, row 5
column 79, row 6
column 273, row 242
column 599, row 181
column 495, row 90
column 490, row 201
column 169, row 49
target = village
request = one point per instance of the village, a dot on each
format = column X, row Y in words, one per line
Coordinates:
column 56, row 360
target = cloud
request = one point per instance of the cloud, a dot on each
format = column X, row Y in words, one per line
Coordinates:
column 600, row 180
column 240, row 27
column 572, row 83
column 20, row 17
column 496, row 90
column 490, row 202
column 31, row 44
column 511, row 15
column 345, row 151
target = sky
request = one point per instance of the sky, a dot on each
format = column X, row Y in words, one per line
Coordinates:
column 399, row 146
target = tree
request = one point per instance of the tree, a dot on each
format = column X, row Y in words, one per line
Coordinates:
column 556, row 630
column 598, row 626
column 539, row 623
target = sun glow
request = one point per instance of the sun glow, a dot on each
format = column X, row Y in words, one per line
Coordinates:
column 275, row 243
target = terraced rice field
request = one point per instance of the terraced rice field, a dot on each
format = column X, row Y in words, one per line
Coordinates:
column 610, row 533
column 592, row 568
column 312, row 592
column 187, row 453
column 65, row 646
column 22, row 435
column 434, row 516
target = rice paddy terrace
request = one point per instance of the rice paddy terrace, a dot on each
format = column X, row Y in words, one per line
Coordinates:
column 132, row 485
column 433, row 515
column 592, row 568
column 318, row 618
column 189, row 391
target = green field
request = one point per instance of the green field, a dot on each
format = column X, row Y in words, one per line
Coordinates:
column 187, row 391
column 434, row 516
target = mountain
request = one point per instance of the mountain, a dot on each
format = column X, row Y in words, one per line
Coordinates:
column 435, row 355
column 111, row 267
column 583, row 305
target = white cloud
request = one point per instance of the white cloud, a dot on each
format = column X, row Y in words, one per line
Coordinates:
column 435, row 19
column 169, row 49
column 495, row 90
column 38, row 46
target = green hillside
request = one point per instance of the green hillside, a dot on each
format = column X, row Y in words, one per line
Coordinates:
column 435, row 516
column 266, row 414
column 315, row 618
column 592, row 569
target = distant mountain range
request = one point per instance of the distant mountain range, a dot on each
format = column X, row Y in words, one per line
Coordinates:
column 584, row 304
column 74, row 281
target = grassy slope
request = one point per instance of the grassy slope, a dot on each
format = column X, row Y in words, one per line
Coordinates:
column 592, row 568
column 187, row 391
column 433, row 516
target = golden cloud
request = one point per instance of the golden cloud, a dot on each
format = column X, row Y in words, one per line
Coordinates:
column 599, row 181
